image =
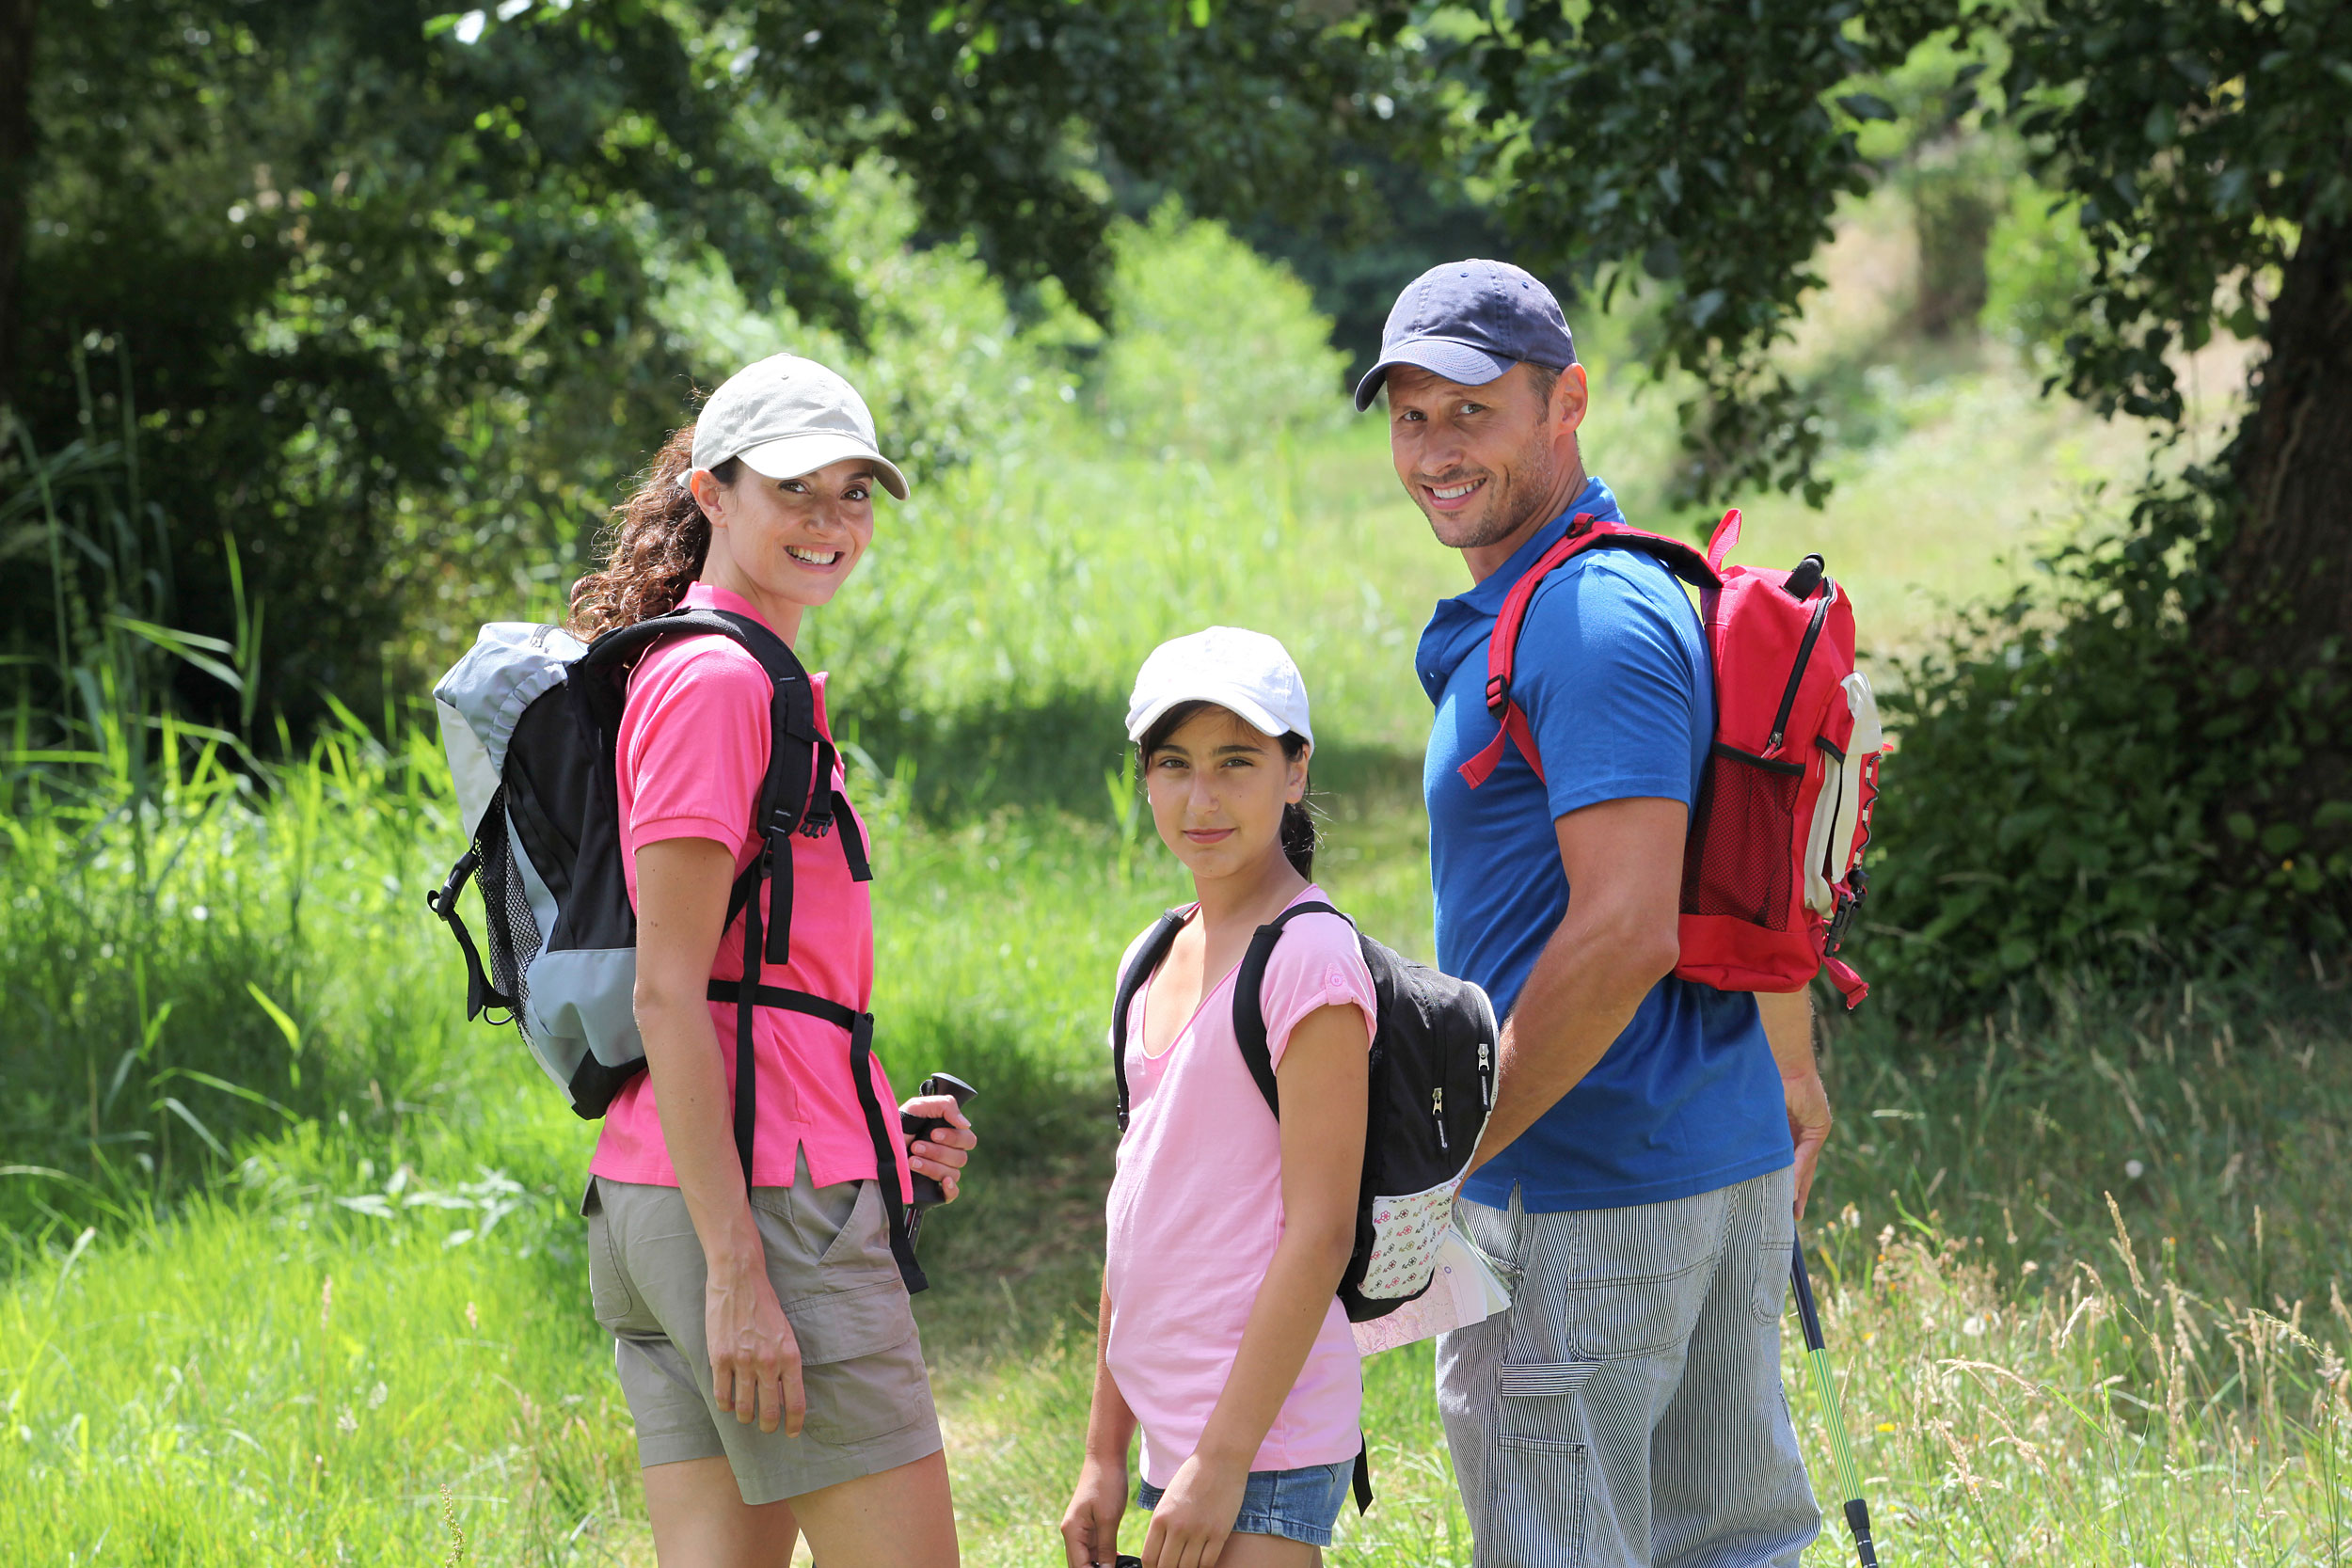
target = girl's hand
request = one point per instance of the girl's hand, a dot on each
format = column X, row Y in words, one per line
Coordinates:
column 1190, row 1525
column 941, row 1156
column 1089, row 1526
column 755, row 1359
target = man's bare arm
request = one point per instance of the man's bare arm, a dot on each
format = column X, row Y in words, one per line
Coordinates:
column 1623, row 865
column 1788, row 1027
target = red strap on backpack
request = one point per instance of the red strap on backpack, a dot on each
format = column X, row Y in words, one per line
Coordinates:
column 1584, row 533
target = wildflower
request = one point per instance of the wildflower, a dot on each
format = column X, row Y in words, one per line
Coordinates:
column 348, row 1422
column 378, row 1395
column 2134, row 1169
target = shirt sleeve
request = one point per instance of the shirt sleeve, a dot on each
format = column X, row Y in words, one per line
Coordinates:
column 1318, row 964
column 695, row 743
column 1608, row 674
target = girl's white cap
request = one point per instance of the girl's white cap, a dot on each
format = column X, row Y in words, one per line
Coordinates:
column 785, row 417
column 1245, row 671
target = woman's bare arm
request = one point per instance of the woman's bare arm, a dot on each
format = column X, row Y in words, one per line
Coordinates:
column 1325, row 1081
column 681, row 909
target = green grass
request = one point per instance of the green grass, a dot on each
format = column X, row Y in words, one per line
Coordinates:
column 179, row 1385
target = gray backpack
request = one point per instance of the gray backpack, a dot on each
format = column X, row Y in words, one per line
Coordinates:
column 529, row 718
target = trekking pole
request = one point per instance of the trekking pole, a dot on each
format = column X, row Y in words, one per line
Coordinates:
column 1849, row 1481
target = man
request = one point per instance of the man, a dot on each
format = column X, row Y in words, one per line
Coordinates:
column 1652, row 1138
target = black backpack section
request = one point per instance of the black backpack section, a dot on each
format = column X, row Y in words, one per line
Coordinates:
column 1434, row 1057
column 558, row 788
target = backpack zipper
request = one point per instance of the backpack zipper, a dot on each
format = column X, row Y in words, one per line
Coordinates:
column 1486, row 1089
column 1437, row 1111
column 1796, row 676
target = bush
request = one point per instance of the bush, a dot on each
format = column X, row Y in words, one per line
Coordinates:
column 2079, row 789
column 2035, row 265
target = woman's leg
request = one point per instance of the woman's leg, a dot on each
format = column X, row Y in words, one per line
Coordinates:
column 899, row 1518
column 1268, row 1551
column 700, row 1519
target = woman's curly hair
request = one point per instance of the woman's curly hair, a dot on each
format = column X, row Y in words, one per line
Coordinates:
column 652, row 549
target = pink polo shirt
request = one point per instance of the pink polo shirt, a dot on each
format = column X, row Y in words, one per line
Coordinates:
column 1197, row 1207
column 693, row 752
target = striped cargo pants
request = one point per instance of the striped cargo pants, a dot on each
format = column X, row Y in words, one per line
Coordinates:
column 1627, row 1411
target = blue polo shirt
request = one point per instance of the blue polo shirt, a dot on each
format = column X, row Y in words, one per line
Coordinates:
column 1613, row 672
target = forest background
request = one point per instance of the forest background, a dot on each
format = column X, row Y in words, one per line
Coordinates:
column 328, row 332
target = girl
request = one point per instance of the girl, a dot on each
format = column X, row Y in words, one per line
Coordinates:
column 764, row 1337
column 1229, row 1230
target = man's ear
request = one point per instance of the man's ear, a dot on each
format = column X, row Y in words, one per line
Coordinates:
column 1570, row 397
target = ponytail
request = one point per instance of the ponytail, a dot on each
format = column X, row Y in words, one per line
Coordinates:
column 1298, row 834
column 653, row 548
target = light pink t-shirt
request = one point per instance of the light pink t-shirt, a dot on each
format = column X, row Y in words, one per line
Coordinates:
column 693, row 755
column 1197, row 1207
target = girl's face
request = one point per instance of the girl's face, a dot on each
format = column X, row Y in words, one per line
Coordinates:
column 787, row 545
column 1218, row 788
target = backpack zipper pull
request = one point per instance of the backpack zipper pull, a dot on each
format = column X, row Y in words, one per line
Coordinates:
column 1485, row 1084
column 1437, row 1111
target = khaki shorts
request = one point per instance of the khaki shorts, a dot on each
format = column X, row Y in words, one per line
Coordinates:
column 870, row 1399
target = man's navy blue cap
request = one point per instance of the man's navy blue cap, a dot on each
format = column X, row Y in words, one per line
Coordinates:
column 1469, row 322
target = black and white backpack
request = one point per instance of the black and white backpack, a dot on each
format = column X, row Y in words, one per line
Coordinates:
column 1434, row 1056
column 530, row 717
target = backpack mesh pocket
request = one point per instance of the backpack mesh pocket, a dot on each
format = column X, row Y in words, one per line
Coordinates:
column 511, row 930
column 1740, row 859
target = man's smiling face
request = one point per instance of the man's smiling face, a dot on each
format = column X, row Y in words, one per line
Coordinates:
column 1486, row 464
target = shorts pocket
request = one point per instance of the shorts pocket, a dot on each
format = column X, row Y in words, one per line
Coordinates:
column 863, row 1243
column 1540, row 1458
column 861, row 1365
column 609, row 1295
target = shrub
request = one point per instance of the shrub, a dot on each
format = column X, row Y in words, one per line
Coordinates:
column 2079, row 787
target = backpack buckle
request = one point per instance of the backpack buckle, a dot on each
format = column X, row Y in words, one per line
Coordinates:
column 1848, row 904
column 1498, row 694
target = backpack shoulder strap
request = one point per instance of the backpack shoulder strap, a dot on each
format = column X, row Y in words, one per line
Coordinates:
column 1250, row 1003
column 1502, row 644
column 1148, row 957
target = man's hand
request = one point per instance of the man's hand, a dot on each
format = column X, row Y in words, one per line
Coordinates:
column 1788, row 1027
column 941, row 1155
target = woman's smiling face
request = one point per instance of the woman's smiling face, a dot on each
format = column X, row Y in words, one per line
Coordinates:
column 1217, row 786
column 790, row 541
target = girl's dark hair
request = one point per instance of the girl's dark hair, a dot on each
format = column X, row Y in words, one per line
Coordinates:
column 652, row 549
column 1298, row 822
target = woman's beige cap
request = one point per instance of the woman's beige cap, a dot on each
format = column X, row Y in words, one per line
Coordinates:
column 785, row 417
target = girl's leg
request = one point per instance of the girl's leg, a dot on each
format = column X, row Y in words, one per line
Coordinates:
column 1268, row 1551
column 700, row 1519
column 899, row 1518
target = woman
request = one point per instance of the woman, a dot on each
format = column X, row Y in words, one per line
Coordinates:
column 764, row 1337
column 1221, row 1332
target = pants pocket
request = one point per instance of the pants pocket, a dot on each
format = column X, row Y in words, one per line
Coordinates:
column 1772, row 1253
column 1537, row 1513
column 1639, row 1276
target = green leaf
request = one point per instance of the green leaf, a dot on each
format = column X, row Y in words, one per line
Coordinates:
column 2239, row 823
column 1867, row 106
column 286, row 1025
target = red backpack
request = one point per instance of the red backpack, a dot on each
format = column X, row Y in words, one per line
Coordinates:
column 1772, row 873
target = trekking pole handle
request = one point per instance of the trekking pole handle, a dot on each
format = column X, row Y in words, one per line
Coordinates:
column 927, row 1193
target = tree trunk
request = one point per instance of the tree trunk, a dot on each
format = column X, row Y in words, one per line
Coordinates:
column 2286, row 575
column 17, row 17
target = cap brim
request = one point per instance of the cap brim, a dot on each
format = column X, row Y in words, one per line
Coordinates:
column 792, row 456
column 1457, row 361
column 1250, row 710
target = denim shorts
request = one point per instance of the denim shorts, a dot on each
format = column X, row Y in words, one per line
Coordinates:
column 1297, row 1505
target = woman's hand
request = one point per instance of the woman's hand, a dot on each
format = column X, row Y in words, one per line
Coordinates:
column 755, row 1359
column 1089, row 1526
column 1191, row 1523
column 941, row 1156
